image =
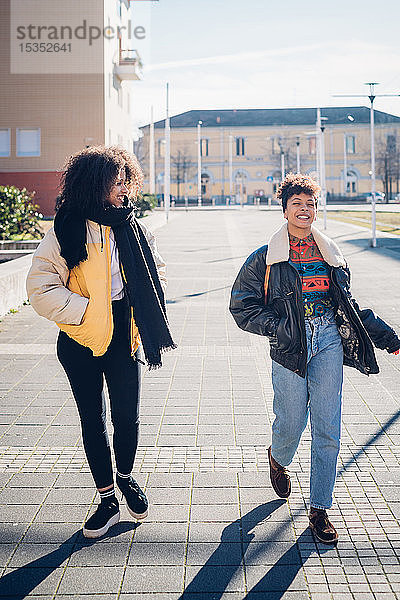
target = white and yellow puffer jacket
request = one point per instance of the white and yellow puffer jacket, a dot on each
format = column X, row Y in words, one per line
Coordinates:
column 79, row 301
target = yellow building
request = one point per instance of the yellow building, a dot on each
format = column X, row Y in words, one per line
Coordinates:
column 263, row 144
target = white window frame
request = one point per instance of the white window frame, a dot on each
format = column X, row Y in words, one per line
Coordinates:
column 4, row 154
column 18, row 134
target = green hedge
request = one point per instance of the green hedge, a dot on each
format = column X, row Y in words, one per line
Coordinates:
column 144, row 203
column 19, row 215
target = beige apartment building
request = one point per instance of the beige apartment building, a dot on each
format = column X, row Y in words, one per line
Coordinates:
column 264, row 143
column 74, row 94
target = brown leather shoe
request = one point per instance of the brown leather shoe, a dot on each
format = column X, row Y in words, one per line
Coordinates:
column 321, row 526
column 280, row 479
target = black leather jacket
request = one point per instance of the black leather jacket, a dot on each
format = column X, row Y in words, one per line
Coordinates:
column 282, row 318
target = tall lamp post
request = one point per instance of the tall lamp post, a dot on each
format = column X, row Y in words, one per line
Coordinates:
column 199, row 124
column 230, row 168
column 321, row 160
column 152, row 174
column 371, row 97
column 167, row 159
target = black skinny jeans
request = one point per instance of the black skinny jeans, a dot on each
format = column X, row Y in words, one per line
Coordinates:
column 86, row 376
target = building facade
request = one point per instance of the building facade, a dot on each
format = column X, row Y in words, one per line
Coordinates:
column 46, row 117
column 245, row 152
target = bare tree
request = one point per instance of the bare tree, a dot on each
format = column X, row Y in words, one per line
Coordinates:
column 388, row 164
column 141, row 152
column 181, row 164
column 285, row 145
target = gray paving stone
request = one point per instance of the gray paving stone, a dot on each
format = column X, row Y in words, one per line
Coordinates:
column 166, row 553
column 169, row 495
column 214, row 579
column 225, row 553
column 153, row 579
column 49, row 533
column 214, row 512
column 73, row 495
column 17, row 513
column 214, row 495
column 23, row 581
column 90, row 580
column 22, row 496
column 277, row 578
column 12, row 532
column 161, row 532
column 268, row 553
column 214, row 532
column 168, row 513
column 58, row 513
column 217, row 480
column 5, row 552
column 99, row 555
column 32, row 480
column 45, row 555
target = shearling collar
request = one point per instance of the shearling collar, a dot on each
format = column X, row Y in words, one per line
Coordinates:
column 278, row 247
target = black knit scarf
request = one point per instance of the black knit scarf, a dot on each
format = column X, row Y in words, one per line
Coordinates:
column 143, row 285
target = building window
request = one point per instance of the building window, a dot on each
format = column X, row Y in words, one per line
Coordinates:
column 350, row 144
column 161, row 148
column 120, row 97
column 312, row 145
column 240, row 146
column 28, row 141
column 5, row 142
column 204, row 147
column 205, row 180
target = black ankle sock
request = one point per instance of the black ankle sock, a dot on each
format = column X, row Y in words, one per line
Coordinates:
column 107, row 496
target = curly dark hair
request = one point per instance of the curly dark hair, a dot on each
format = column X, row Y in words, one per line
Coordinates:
column 88, row 175
column 297, row 183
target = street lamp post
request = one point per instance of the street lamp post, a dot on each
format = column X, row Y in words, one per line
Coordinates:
column 199, row 124
column 345, row 163
column 323, row 174
column 152, row 157
column 298, row 154
column 167, row 159
column 231, row 168
column 371, row 97
column 373, row 174
column 321, row 160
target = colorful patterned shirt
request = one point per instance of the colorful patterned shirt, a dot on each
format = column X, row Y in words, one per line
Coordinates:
column 305, row 256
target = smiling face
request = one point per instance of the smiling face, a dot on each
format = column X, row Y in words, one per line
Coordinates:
column 118, row 190
column 301, row 212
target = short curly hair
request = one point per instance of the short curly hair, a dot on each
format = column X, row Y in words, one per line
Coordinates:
column 88, row 175
column 297, row 183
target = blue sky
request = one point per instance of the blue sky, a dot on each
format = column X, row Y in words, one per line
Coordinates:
column 268, row 54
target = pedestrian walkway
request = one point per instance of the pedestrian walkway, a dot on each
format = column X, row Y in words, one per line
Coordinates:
column 215, row 528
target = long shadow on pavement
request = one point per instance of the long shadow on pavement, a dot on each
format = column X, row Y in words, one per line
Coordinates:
column 20, row 582
column 281, row 575
column 201, row 583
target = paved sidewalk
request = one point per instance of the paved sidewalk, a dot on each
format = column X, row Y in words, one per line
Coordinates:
column 215, row 528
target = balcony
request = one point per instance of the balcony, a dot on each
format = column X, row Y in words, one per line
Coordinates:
column 128, row 66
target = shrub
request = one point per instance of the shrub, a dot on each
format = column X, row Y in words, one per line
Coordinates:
column 19, row 215
column 144, row 203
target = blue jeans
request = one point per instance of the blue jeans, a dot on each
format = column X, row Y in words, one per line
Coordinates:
column 320, row 395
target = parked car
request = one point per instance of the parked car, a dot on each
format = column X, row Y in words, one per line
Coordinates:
column 367, row 196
